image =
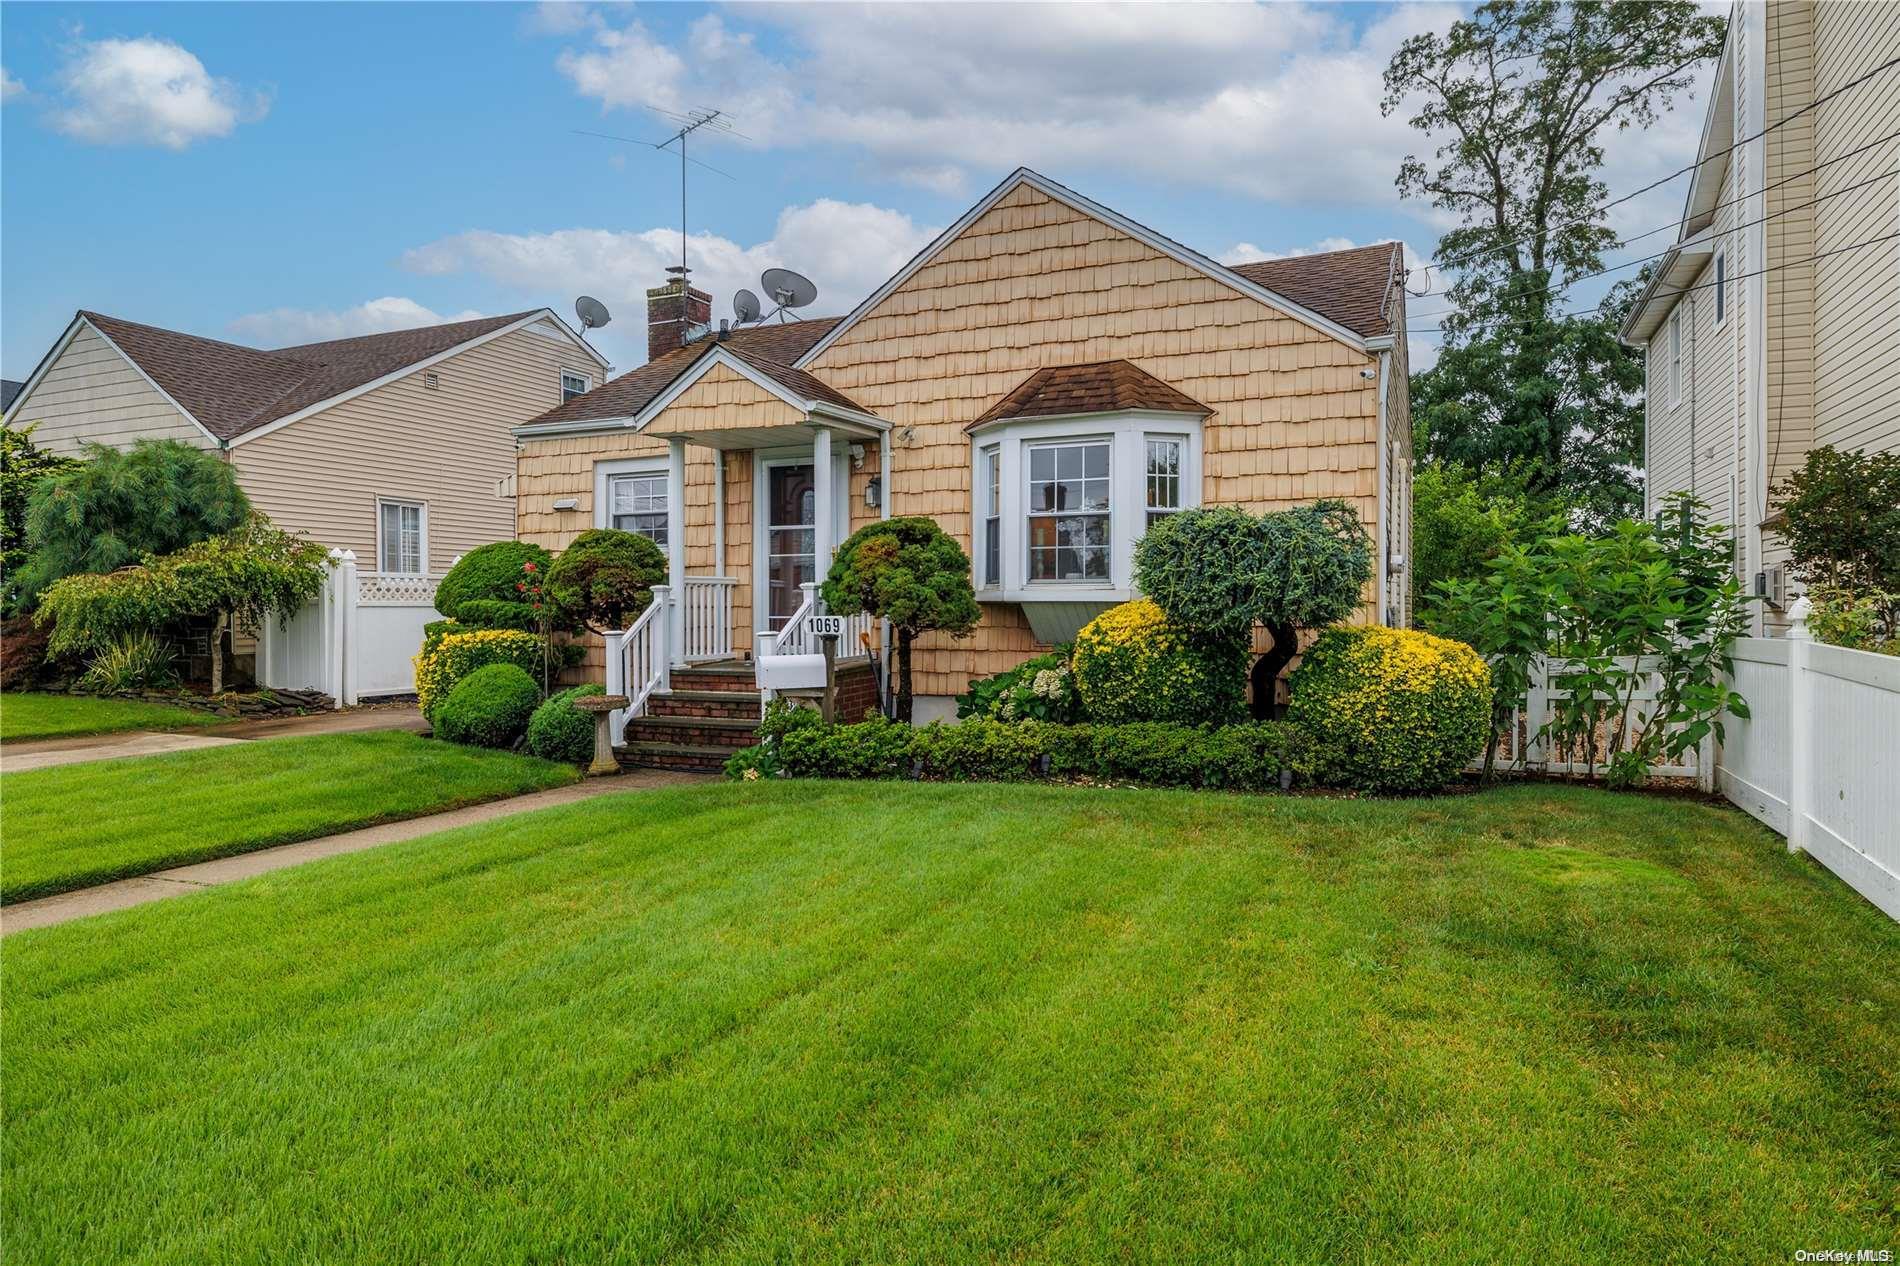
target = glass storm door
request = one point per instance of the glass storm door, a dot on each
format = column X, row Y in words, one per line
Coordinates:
column 790, row 541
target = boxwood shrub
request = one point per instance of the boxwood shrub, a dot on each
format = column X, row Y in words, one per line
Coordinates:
column 1238, row 757
column 1132, row 664
column 488, row 708
column 560, row 731
column 483, row 589
column 1391, row 710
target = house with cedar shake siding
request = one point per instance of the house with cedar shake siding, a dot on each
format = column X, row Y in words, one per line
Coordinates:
column 1044, row 380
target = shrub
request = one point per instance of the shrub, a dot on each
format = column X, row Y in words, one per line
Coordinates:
column 1391, row 710
column 1039, row 689
column 1133, row 664
column 1860, row 622
column 1252, row 757
column 488, row 708
column 122, row 505
column 910, row 572
column 605, row 578
column 451, row 656
column 23, row 464
column 137, row 661
column 1217, row 573
column 1843, row 519
column 483, row 589
column 560, row 731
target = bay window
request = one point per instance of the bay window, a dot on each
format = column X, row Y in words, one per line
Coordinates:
column 992, row 517
column 1163, row 475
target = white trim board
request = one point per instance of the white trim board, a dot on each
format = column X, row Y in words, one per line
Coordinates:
column 411, row 368
column 1167, row 246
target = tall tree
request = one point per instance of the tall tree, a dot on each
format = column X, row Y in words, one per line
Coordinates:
column 1523, row 94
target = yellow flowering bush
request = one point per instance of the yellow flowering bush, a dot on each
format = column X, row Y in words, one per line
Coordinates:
column 1392, row 710
column 1132, row 663
column 449, row 656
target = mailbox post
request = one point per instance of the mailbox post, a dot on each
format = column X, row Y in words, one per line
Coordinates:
column 828, row 629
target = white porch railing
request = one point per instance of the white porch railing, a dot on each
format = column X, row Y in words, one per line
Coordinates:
column 708, row 602
column 639, row 662
column 796, row 639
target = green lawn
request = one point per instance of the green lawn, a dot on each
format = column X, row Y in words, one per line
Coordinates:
column 851, row 1022
column 37, row 716
column 76, row 825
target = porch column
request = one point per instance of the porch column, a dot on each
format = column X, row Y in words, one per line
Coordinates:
column 719, row 512
column 825, row 512
column 676, row 549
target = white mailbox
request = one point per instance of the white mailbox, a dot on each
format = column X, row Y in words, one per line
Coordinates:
column 791, row 672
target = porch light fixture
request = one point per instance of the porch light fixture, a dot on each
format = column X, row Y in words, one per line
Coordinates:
column 874, row 493
column 568, row 503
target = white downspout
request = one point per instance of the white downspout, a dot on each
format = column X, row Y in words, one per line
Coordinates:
column 1387, row 506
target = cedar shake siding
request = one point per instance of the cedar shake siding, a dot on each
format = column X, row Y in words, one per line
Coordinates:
column 1040, row 307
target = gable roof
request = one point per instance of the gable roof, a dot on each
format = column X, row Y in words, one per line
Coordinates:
column 1109, row 386
column 770, row 349
column 1167, row 246
column 1350, row 286
column 231, row 391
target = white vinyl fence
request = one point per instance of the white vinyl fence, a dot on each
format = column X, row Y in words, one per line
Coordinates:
column 356, row 641
column 1521, row 746
column 1818, row 758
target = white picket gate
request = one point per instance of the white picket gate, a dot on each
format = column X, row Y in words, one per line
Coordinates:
column 1522, row 748
column 356, row 641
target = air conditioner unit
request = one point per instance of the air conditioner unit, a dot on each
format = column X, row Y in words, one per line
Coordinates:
column 1771, row 586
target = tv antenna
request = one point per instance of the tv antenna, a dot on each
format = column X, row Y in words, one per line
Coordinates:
column 592, row 312
column 689, row 123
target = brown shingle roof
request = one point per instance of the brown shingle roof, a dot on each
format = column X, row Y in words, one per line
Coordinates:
column 770, row 349
column 1349, row 286
column 232, row 389
column 1105, row 387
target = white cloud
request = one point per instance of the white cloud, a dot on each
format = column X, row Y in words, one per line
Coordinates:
column 847, row 248
column 1275, row 101
column 9, row 86
column 288, row 327
column 147, row 91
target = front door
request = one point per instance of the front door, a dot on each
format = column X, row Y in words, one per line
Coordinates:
column 790, row 511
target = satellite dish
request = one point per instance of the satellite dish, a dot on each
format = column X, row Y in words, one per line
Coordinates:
column 592, row 312
column 787, row 288
column 745, row 306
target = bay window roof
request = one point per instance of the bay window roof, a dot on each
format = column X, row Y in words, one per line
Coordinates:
column 1110, row 386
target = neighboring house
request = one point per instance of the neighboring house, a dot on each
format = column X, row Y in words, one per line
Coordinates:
column 395, row 446
column 8, row 389
column 1044, row 380
column 1773, row 325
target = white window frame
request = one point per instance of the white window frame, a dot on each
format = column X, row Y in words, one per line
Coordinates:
column 586, row 381
column 1128, row 433
column 606, row 472
column 1148, row 510
column 989, row 486
column 1108, row 515
column 1718, row 273
column 422, row 535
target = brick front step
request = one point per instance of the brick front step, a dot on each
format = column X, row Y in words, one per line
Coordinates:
column 673, row 756
column 707, row 703
column 727, row 732
column 721, row 678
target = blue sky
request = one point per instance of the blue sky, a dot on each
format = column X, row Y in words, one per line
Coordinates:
column 278, row 173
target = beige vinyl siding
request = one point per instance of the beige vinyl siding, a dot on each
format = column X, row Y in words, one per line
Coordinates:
column 445, row 447
column 1035, row 282
column 92, row 394
column 1857, row 292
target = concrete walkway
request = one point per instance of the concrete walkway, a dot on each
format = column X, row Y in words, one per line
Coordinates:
column 45, row 753
column 176, row 882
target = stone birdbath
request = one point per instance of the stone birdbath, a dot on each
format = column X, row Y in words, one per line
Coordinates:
column 603, row 707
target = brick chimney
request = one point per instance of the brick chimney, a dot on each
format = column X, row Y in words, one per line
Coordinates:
column 671, row 310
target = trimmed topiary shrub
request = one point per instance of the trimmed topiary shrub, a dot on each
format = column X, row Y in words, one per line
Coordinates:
column 447, row 657
column 1392, row 710
column 604, row 578
column 1133, row 664
column 909, row 571
column 488, row 708
column 560, row 731
column 483, row 590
